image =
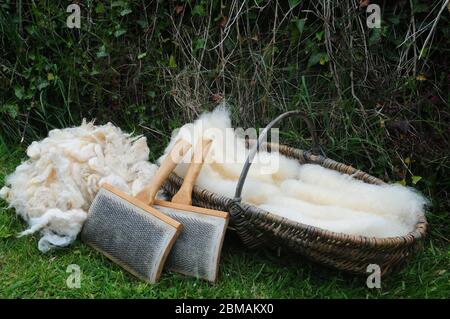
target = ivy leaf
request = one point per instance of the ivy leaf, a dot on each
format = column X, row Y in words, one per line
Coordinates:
column 124, row 12
column 102, row 52
column 10, row 109
column 119, row 32
column 316, row 58
column 300, row 24
column 199, row 43
column 142, row 23
column 29, row 94
column 19, row 92
column 293, row 3
column 94, row 72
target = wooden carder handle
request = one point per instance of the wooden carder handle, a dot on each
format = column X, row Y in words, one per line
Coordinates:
column 148, row 193
column 184, row 194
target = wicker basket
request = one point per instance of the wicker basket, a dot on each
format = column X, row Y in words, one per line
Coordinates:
column 257, row 227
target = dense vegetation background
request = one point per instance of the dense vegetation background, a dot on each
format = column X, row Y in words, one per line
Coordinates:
column 379, row 97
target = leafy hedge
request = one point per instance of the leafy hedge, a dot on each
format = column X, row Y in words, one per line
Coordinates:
column 379, row 96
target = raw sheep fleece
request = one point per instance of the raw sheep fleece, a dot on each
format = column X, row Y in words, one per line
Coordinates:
column 308, row 193
column 53, row 189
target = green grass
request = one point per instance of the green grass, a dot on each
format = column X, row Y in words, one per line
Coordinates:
column 27, row 273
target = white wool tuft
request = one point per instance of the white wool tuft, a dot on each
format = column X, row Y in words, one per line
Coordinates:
column 308, row 193
column 53, row 189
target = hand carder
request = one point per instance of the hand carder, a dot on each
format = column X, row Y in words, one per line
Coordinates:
column 197, row 250
column 134, row 235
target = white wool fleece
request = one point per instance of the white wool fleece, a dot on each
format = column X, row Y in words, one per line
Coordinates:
column 53, row 189
column 308, row 193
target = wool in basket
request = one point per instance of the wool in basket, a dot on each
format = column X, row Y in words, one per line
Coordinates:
column 305, row 193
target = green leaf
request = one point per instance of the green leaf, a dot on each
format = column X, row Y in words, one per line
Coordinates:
column 142, row 23
column 29, row 95
column 142, row 55
column 300, row 24
column 42, row 85
column 199, row 43
column 119, row 32
column 375, row 35
column 319, row 36
column 10, row 109
column 416, row 179
column 50, row 77
column 102, row 52
column 293, row 3
column 199, row 10
column 124, row 12
column 151, row 94
column 316, row 58
column 172, row 62
column 100, row 8
column 118, row 3
column 94, row 72
column 19, row 92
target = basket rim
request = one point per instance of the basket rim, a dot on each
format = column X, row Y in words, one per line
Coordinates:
column 408, row 239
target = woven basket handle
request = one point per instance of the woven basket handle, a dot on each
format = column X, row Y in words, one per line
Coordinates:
column 315, row 147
